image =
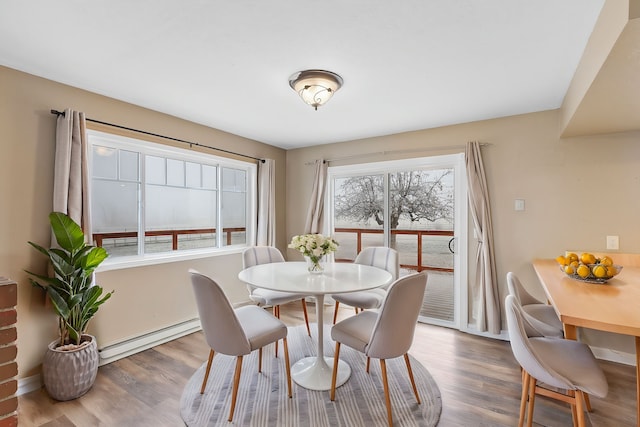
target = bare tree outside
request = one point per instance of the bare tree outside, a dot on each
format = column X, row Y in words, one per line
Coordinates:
column 414, row 196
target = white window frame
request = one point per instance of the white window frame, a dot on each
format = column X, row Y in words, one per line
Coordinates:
column 156, row 149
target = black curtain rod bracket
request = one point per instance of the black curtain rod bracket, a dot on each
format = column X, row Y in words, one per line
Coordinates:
column 191, row 144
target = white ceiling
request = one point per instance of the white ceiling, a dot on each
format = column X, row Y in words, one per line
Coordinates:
column 406, row 64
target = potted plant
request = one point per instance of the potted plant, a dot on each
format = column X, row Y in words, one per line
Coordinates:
column 70, row 365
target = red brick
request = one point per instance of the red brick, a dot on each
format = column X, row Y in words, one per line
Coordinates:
column 8, row 406
column 8, row 317
column 8, row 295
column 8, row 354
column 8, row 335
column 8, row 371
column 11, row 421
column 8, row 389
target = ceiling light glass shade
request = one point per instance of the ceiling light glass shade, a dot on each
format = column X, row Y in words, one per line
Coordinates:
column 315, row 87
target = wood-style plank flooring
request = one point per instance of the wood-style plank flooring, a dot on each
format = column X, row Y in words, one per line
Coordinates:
column 478, row 378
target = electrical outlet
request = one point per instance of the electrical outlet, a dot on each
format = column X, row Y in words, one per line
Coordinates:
column 612, row 242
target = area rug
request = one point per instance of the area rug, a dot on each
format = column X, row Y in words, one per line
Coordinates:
column 262, row 397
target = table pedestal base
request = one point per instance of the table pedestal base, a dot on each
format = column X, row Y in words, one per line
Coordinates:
column 314, row 373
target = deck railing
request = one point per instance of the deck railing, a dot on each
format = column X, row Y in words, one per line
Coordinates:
column 99, row 237
column 359, row 232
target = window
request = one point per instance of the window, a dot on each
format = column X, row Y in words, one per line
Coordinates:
column 149, row 199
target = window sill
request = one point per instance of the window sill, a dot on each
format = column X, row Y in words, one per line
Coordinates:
column 122, row 263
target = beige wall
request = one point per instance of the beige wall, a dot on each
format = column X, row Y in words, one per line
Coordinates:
column 147, row 298
column 577, row 190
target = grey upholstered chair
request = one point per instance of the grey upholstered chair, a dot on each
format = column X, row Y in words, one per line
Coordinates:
column 262, row 255
column 557, row 362
column 386, row 334
column 382, row 257
column 541, row 316
column 235, row 332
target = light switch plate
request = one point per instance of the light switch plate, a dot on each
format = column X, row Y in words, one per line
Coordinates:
column 519, row 206
column 612, row 242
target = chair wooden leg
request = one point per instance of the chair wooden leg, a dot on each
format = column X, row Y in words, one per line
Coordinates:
column 276, row 312
column 260, row 360
column 574, row 408
column 387, row 397
column 587, row 402
column 287, row 365
column 236, row 383
column 523, row 399
column 368, row 363
column 356, row 309
column 335, row 312
column 334, row 374
column 580, row 398
column 306, row 316
column 532, row 399
column 413, row 383
column 206, row 373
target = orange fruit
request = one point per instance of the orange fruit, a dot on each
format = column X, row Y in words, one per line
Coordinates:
column 562, row 260
column 569, row 269
column 583, row 271
column 605, row 260
column 588, row 258
column 571, row 256
column 600, row 271
column 611, row 271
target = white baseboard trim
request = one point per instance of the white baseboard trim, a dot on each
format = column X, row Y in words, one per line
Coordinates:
column 29, row 384
column 126, row 348
column 614, row 356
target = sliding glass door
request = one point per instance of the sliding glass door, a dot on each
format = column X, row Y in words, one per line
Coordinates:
column 412, row 206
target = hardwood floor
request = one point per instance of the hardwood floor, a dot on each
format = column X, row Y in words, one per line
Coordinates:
column 478, row 378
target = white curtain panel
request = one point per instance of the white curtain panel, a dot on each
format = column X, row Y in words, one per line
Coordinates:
column 266, row 203
column 315, row 214
column 71, row 182
column 486, row 299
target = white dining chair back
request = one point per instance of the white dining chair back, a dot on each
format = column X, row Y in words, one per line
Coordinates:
column 385, row 334
column 234, row 332
column 539, row 315
column 381, row 257
column 258, row 255
column 375, row 256
column 556, row 362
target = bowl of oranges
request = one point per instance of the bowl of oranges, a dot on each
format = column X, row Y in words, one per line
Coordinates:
column 587, row 267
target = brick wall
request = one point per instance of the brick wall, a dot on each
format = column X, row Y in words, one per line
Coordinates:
column 8, row 352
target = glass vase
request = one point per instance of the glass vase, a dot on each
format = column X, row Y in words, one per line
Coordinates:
column 315, row 265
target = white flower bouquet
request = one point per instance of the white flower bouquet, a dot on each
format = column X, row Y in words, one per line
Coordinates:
column 314, row 246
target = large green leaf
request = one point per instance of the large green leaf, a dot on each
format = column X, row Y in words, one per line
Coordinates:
column 68, row 233
column 59, row 303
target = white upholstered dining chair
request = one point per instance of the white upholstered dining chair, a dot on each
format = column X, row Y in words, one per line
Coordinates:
column 264, row 297
column 557, row 362
column 386, row 334
column 381, row 257
column 541, row 316
column 235, row 332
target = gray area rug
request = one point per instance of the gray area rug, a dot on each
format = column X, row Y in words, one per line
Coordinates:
column 262, row 397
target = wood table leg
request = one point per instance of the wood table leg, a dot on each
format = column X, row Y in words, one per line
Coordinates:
column 638, row 381
column 570, row 332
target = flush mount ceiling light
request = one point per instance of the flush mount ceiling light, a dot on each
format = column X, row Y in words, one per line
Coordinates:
column 315, row 87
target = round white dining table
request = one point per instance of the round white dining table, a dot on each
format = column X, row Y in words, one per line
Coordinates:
column 314, row 373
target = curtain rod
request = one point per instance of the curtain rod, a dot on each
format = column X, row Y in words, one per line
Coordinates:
column 383, row 153
column 61, row 113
